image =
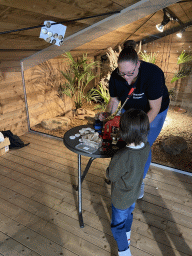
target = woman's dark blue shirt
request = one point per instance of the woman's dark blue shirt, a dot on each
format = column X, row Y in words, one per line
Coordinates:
column 150, row 85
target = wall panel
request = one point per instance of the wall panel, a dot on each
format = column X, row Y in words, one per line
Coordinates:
column 42, row 83
column 169, row 48
column 12, row 104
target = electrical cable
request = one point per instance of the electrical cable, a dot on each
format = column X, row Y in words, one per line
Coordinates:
column 170, row 44
column 162, row 55
column 39, row 26
column 136, row 29
column 140, row 26
column 166, row 54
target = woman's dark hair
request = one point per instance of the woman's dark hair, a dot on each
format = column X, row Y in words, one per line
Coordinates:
column 128, row 54
column 134, row 126
column 129, row 43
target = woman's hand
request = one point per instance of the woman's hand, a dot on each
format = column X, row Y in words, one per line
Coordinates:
column 103, row 115
column 110, row 109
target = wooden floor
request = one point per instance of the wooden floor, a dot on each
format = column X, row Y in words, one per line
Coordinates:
column 38, row 207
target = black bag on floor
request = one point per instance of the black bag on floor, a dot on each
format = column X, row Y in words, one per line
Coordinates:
column 15, row 141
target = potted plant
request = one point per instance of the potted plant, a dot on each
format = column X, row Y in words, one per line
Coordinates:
column 78, row 75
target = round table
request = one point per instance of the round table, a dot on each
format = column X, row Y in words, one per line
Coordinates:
column 106, row 151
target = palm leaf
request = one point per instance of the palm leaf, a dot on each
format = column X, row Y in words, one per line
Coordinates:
column 183, row 58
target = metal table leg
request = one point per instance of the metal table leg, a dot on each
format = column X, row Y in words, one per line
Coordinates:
column 79, row 193
column 80, row 180
column 85, row 172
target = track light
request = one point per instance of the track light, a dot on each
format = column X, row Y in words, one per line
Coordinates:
column 180, row 34
column 53, row 33
column 166, row 19
column 160, row 27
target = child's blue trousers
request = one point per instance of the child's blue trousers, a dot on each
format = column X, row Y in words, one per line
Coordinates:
column 120, row 224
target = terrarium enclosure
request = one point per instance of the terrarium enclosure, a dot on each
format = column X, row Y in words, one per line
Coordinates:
column 45, row 102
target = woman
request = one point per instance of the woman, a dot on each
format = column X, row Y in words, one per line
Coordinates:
column 150, row 94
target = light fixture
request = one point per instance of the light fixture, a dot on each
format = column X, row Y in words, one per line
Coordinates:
column 180, row 34
column 53, row 33
column 166, row 19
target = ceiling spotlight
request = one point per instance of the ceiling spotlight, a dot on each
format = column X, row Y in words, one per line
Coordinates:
column 48, row 39
column 61, row 42
column 44, row 31
column 49, row 34
column 166, row 19
column 160, row 27
column 60, row 37
column 53, row 41
column 53, row 33
column 180, row 34
column 48, row 24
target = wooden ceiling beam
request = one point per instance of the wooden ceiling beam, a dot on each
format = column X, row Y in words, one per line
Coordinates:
column 65, row 11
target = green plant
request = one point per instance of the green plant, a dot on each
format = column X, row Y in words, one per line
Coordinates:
column 185, row 69
column 78, row 75
column 184, row 72
column 172, row 93
column 148, row 57
column 100, row 95
column 184, row 58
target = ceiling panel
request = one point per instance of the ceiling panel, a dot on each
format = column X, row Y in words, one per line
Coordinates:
column 140, row 24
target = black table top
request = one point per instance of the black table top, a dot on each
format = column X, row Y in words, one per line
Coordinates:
column 102, row 152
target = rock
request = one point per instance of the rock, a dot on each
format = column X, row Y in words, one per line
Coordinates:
column 82, row 114
column 56, row 123
column 70, row 114
column 80, row 111
column 174, row 145
column 90, row 120
column 89, row 113
column 81, row 117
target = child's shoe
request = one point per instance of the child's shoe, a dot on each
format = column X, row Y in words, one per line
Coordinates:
column 125, row 253
column 128, row 234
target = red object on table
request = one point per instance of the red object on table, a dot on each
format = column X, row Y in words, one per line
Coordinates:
column 112, row 126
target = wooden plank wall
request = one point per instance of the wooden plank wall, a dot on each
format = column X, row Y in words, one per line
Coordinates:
column 42, row 84
column 12, row 103
column 168, row 49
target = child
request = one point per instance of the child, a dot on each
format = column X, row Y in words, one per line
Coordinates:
column 125, row 172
